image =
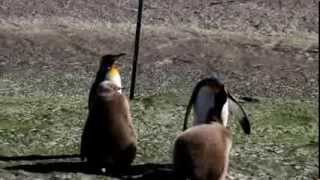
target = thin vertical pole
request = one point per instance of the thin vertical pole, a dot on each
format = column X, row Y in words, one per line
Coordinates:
column 136, row 50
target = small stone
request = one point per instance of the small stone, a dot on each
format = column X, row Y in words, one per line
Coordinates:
column 103, row 170
column 297, row 167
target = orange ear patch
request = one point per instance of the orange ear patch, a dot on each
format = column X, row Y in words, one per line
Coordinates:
column 113, row 72
column 113, row 75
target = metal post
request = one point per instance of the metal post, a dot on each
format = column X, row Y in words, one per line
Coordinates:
column 136, row 50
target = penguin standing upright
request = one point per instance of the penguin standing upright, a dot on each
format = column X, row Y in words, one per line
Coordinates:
column 209, row 97
column 202, row 151
column 109, row 140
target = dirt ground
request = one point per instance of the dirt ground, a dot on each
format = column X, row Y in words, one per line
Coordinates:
column 58, row 45
column 260, row 48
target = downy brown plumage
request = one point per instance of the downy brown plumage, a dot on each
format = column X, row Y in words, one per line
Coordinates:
column 202, row 152
column 109, row 139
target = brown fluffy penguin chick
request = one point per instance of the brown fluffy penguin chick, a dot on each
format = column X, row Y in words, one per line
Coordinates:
column 109, row 140
column 202, row 152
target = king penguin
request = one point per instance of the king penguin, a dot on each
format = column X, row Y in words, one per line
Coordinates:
column 109, row 140
column 210, row 98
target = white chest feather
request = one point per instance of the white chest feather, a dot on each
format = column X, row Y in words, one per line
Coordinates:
column 116, row 79
column 225, row 113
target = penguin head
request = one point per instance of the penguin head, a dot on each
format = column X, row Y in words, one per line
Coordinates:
column 108, row 60
column 110, row 70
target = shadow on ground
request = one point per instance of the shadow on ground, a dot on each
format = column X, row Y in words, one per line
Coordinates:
column 37, row 157
column 147, row 171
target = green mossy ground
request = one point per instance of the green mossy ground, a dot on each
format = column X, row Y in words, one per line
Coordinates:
column 283, row 144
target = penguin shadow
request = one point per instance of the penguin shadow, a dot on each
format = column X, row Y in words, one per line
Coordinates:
column 73, row 164
column 150, row 171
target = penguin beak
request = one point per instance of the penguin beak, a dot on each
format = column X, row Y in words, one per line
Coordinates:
column 119, row 55
column 108, row 60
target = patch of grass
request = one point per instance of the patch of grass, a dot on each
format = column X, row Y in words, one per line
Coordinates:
column 40, row 125
column 284, row 121
column 284, row 140
column 283, row 143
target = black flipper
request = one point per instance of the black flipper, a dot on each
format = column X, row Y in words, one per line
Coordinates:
column 191, row 101
column 244, row 122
